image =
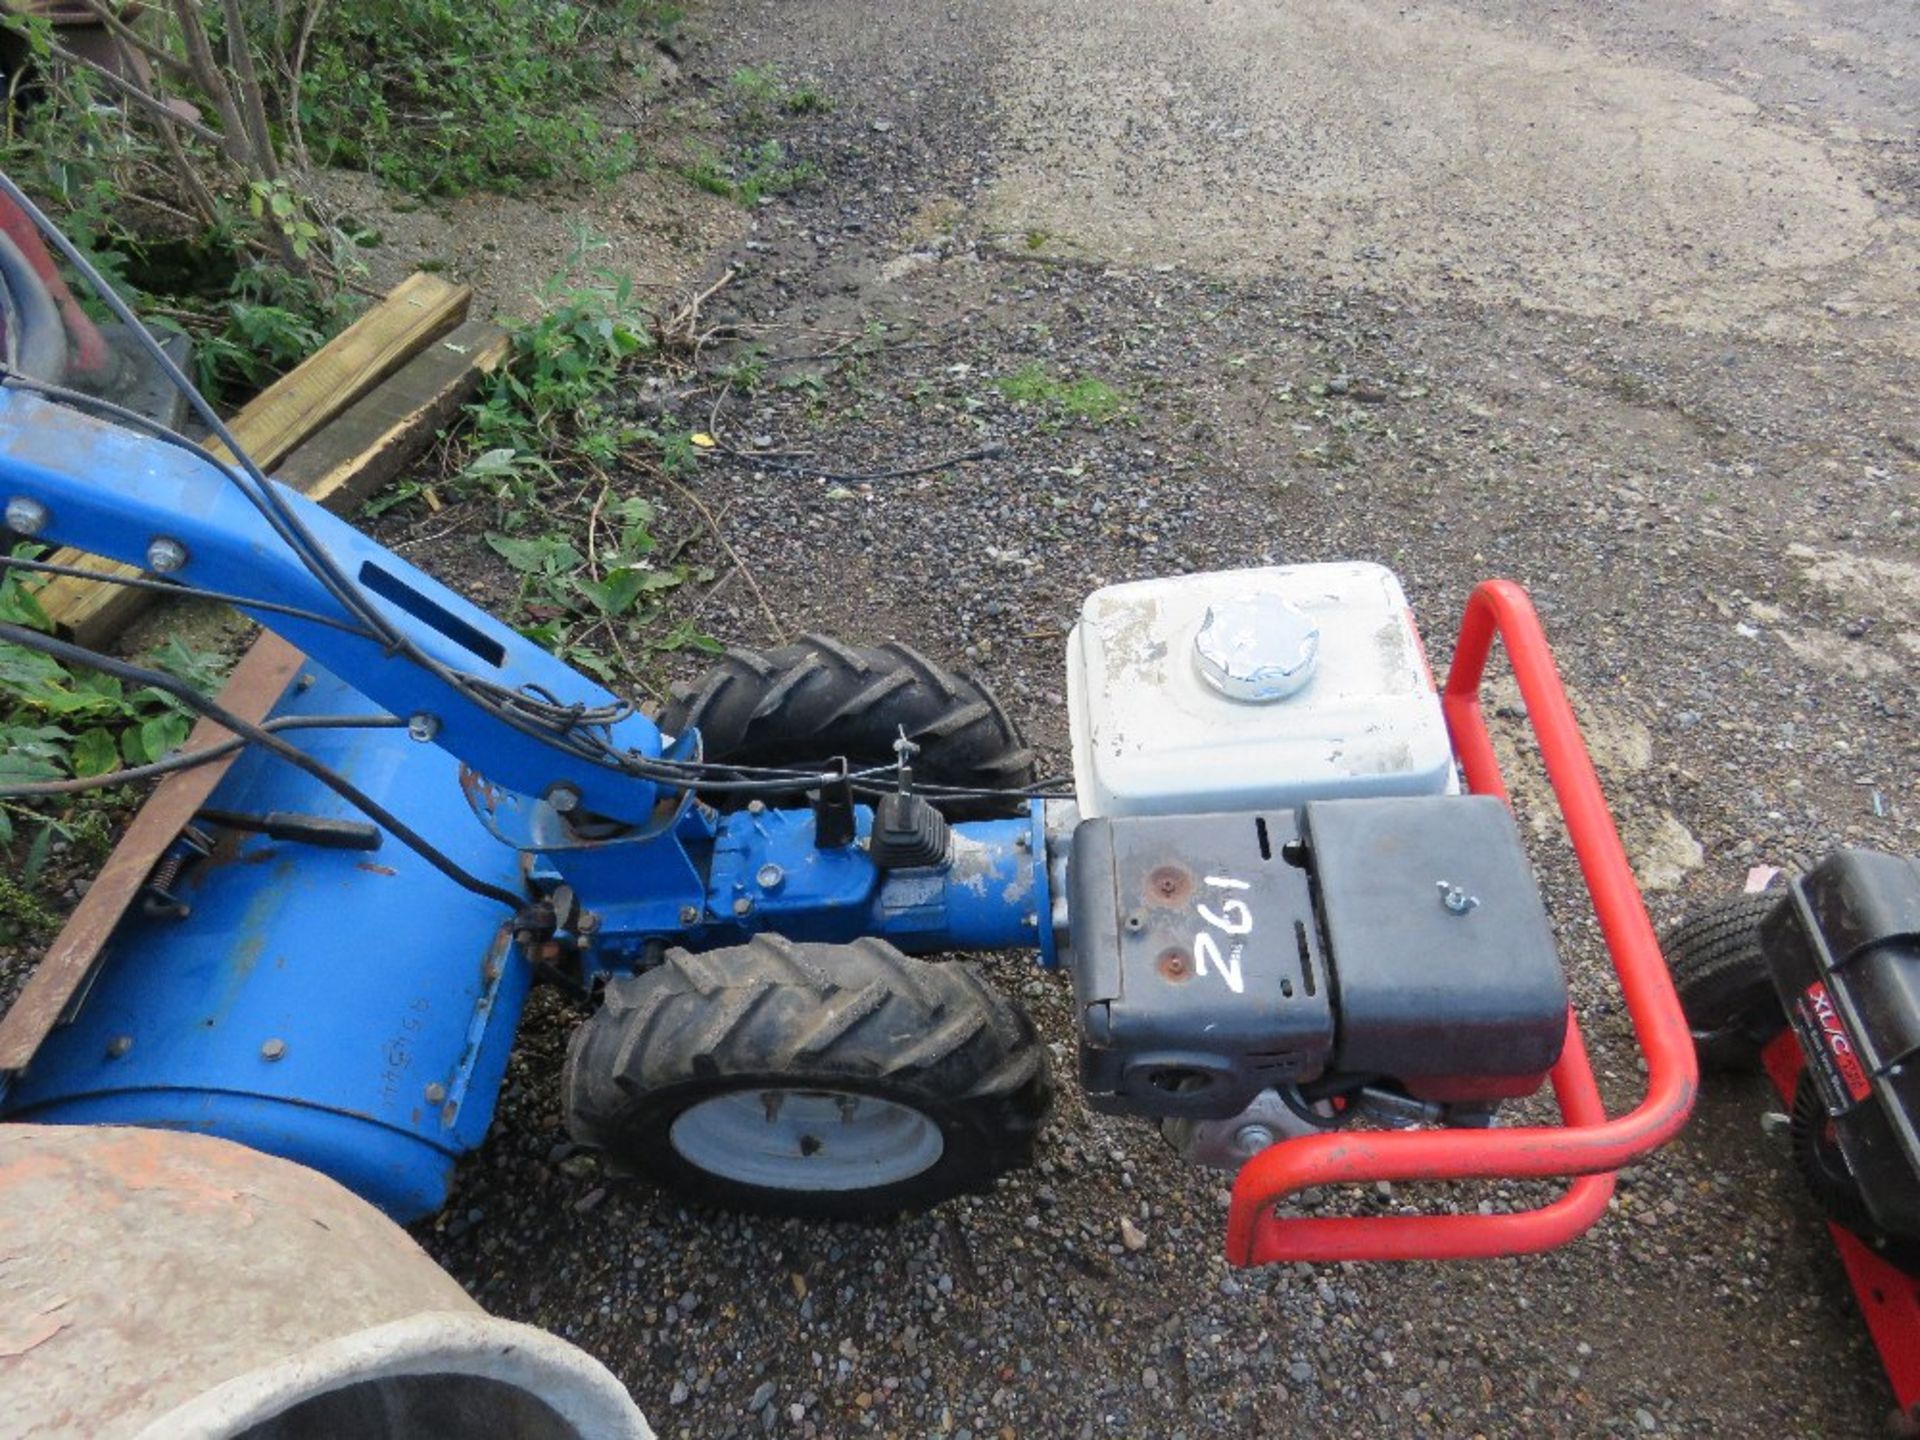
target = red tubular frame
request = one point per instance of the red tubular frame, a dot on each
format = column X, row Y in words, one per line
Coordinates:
column 1589, row 1145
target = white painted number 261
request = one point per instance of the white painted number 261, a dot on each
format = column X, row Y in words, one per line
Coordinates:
column 1232, row 919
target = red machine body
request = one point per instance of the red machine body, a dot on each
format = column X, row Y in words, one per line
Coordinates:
column 1589, row 1146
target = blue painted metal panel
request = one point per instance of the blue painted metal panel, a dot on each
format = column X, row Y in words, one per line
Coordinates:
column 111, row 492
column 392, row 993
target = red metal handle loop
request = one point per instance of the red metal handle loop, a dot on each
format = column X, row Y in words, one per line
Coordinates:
column 1589, row 1145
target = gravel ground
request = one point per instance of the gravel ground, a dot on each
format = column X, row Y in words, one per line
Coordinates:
column 1681, row 413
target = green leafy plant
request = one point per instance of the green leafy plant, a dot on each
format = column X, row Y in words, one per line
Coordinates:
column 550, row 398
column 762, row 90
column 448, row 96
column 1086, row 398
column 58, row 722
column 751, row 174
column 566, row 597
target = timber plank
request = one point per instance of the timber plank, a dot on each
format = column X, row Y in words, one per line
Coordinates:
column 380, row 434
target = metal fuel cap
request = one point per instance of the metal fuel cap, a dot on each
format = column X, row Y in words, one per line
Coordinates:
column 1257, row 649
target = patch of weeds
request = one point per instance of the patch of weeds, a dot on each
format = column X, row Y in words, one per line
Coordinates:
column 566, row 597
column 442, row 97
column 59, row 722
column 248, row 275
column 751, row 175
column 761, row 91
column 1086, row 398
column 1037, row 239
column 746, row 374
column 593, row 581
column 550, row 396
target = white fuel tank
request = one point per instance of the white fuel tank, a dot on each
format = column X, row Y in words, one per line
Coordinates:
column 1246, row 689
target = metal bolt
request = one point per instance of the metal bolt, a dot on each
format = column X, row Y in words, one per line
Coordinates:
column 422, row 727
column 166, row 555
column 586, row 923
column 118, row 1046
column 436, row 1092
column 1256, row 649
column 25, row 516
column 743, row 906
column 756, row 807
column 1457, row 901
column 769, row 877
column 689, row 914
column 273, row 1049
column 1252, row 1139
column 563, row 797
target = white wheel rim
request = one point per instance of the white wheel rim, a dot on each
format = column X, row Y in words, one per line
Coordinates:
column 792, row 1139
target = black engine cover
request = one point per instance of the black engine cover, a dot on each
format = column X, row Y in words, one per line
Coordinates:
column 1215, row 956
column 1844, row 948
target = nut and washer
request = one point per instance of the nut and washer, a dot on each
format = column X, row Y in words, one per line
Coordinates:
column 1456, row 900
column 273, row 1049
column 422, row 727
column 768, row 877
column 689, row 914
column 25, row 516
column 165, row 555
column 1252, row 1139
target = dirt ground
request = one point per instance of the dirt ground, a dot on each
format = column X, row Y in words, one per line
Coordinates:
column 1617, row 301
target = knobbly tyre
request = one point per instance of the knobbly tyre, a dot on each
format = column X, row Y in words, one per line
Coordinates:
column 1301, row 930
column 1818, row 984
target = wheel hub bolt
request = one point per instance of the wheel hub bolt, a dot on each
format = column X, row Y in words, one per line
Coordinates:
column 25, row 516
column 166, row 555
column 1252, row 1139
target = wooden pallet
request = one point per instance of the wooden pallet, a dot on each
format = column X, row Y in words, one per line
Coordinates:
column 383, row 379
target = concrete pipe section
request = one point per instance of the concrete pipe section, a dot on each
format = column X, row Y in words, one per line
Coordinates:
column 162, row 1284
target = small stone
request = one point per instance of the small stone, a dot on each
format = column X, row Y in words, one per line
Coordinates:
column 591, row 1200
column 1131, row 1235
column 1150, row 1378
column 762, row 1397
column 678, row 1395
column 1643, row 1417
column 882, row 127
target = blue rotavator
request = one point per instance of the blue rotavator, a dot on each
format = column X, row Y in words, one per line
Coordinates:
column 1280, row 913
